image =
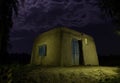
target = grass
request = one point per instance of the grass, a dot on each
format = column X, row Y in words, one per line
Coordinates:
column 81, row 74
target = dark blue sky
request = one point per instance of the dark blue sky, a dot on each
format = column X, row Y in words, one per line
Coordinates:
column 85, row 16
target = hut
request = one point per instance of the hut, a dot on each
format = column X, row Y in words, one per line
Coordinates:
column 64, row 47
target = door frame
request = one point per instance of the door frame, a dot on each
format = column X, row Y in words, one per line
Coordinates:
column 77, row 52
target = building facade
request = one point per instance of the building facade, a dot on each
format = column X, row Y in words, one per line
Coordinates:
column 64, row 47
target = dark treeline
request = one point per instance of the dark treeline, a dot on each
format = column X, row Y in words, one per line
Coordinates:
column 111, row 60
column 16, row 58
column 24, row 58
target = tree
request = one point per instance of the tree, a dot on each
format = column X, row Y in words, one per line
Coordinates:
column 7, row 9
column 111, row 8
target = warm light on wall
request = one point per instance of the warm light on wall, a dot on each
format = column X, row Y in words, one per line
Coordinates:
column 86, row 41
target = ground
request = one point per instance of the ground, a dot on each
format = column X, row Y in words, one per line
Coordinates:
column 80, row 74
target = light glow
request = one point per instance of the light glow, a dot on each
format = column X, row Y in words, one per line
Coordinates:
column 86, row 41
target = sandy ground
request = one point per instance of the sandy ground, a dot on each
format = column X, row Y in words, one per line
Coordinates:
column 80, row 74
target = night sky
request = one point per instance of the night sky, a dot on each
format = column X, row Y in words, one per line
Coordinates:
column 37, row 16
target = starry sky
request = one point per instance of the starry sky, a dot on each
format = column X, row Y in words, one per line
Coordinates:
column 37, row 16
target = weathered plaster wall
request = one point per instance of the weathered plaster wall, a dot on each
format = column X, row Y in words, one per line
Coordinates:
column 89, row 51
column 59, row 48
column 52, row 40
column 66, row 53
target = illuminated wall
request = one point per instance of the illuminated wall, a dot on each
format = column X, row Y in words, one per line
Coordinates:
column 59, row 48
column 52, row 40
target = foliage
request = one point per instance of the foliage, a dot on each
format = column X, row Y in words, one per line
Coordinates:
column 8, row 8
column 38, row 74
column 111, row 8
column 82, row 74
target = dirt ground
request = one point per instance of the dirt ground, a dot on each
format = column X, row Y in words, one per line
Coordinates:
column 80, row 74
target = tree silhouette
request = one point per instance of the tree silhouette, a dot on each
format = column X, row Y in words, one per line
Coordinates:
column 7, row 9
column 111, row 8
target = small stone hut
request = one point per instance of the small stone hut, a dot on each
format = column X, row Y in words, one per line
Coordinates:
column 64, row 47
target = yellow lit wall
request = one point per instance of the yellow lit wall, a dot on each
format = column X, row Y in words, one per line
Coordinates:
column 52, row 40
column 89, row 51
column 59, row 48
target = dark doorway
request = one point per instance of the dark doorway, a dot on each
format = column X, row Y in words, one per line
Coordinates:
column 81, row 59
column 77, row 52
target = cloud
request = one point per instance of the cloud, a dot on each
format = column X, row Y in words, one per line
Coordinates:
column 49, row 13
column 38, row 16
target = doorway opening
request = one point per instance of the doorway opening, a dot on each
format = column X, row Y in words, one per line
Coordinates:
column 77, row 52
